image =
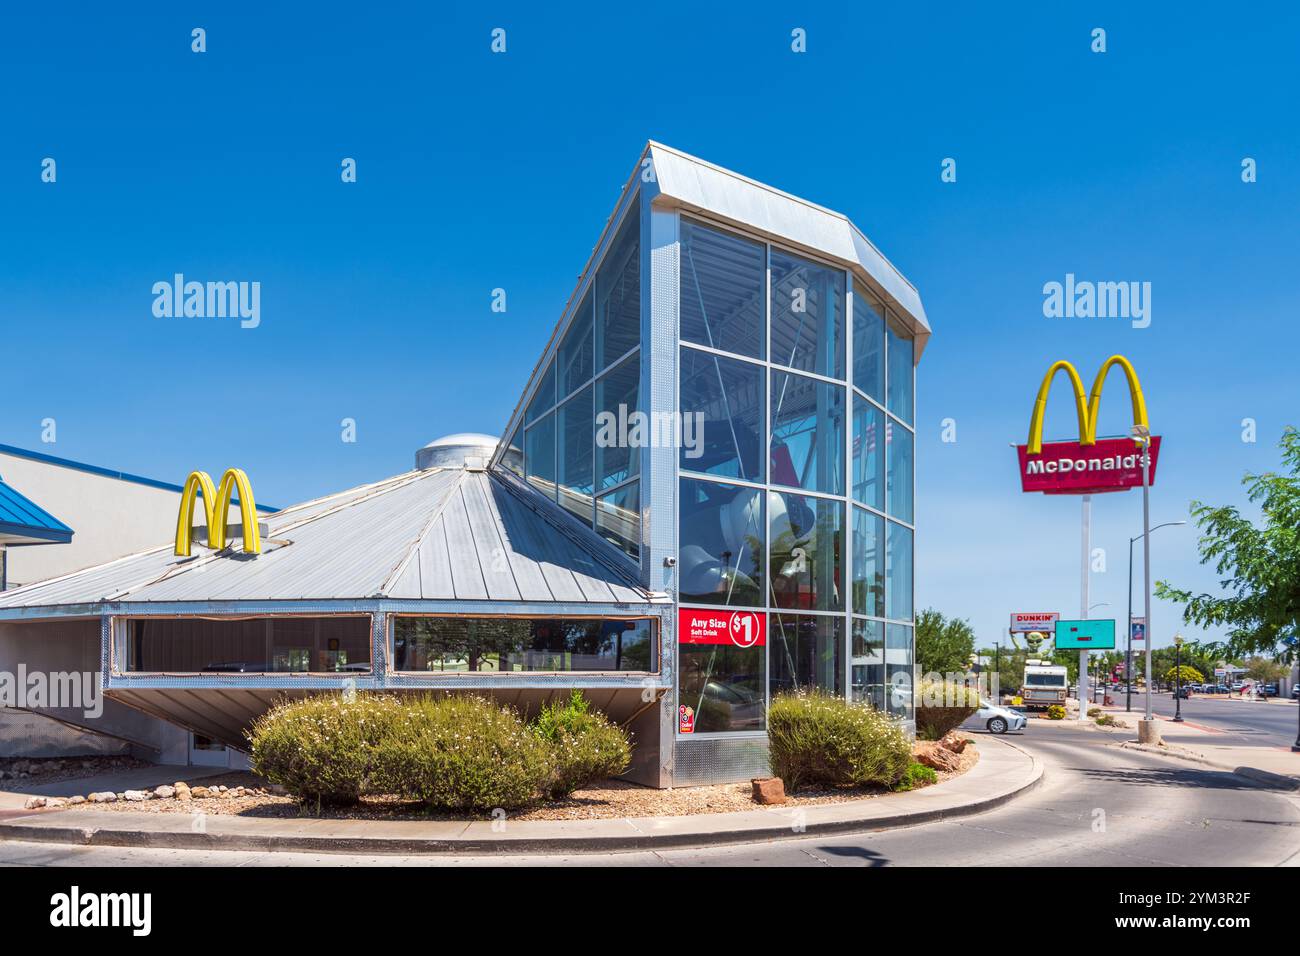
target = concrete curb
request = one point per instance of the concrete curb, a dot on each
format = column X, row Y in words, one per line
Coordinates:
column 626, row 834
column 1263, row 778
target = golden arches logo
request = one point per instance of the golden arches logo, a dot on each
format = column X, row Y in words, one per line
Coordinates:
column 216, row 507
column 1085, row 409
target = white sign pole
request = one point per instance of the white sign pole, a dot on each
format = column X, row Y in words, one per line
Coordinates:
column 1083, row 615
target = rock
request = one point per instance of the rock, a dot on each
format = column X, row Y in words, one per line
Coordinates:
column 201, row 793
column 135, row 796
column 56, row 802
column 768, row 790
column 276, row 790
column 19, row 766
column 953, row 743
column 106, row 796
column 222, row 788
column 164, row 792
column 73, row 801
column 939, row 759
column 184, row 796
column 34, row 803
column 180, row 785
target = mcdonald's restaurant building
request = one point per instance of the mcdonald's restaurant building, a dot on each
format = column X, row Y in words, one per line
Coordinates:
column 704, row 497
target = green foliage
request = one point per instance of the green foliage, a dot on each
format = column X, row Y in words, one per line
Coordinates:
column 1258, row 567
column 1186, row 673
column 916, row 775
column 461, row 752
column 1056, row 712
column 943, row 706
column 1264, row 671
column 586, row 746
column 1105, row 720
column 818, row 739
column 943, row 645
column 1094, row 711
column 322, row 748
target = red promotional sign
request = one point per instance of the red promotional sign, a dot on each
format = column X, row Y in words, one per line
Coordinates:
column 1069, row 468
column 738, row 628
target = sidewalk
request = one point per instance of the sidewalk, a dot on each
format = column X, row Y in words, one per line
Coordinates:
column 1003, row 772
column 1211, row 745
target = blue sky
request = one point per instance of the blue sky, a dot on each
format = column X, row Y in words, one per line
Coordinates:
column 478, row 170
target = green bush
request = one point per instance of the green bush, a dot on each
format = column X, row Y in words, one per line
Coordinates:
column 943, row 706
column 1105, row 720
column 462, row 753
column 1056, row 712
column 585, row 746
column 916, row 775
column 322, row 748
column 818, row 739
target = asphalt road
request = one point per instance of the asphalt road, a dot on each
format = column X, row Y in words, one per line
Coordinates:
column 1258, row 724
column 1098, row 806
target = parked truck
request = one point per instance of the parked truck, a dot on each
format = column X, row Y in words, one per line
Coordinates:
column 1045, row 684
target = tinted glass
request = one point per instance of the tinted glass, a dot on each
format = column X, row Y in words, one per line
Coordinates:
column 807, row 315
column 867, row 663
column 807, row 433
column 575, row 350
column 898, row 669
column 723, row 285
column 721, row 688
column 617, row 442
column 722, row 402
column 868, row 459
column 576, row 431
column 806, row 540
column 539, row 455
column 720, row 544
column 898, row 572
column 805, row 651
column 543, row 399
column 868, row 564
column 618, row 291
column 900, row 371
column 249, row 646
column 618, row 519
column 503, row 645
column 513, row 457
column 900, row 472
column 868, row 343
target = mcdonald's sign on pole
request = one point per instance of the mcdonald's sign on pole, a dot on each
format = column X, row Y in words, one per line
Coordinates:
column 1090, row 465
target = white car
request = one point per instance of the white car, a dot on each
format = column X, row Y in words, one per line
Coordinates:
column 998, row 720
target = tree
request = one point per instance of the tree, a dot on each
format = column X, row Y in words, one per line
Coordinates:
column 1189, row 675
column 943, row 645
column 1264, row 671
column 1259, row 567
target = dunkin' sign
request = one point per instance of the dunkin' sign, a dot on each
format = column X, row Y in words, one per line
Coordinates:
column 717, row 626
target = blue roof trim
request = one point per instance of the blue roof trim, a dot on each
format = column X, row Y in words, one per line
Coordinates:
column 104, row 472
column 22, row 517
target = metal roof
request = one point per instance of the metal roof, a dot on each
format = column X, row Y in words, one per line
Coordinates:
column 446, row 534
column 23, row 521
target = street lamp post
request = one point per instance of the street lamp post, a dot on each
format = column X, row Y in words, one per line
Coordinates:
column 1178, row 678
column 1128, row 653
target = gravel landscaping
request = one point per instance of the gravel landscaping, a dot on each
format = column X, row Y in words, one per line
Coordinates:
column 248, row 795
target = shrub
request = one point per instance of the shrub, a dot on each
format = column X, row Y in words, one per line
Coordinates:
column 585, row 746
column 943, row 706
column 322, row 748
column 1094, row 711
column 1056, row 712
column 1106, row 720
column 814, row 738
column 463, row 753
column 916, row 775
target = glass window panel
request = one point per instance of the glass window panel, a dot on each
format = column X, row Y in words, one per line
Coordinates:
column 576, row 424
column 805, row 651
column 898, row 440
column 539, row 455
column 867, row 663
column 807, row 315
column 543, row 399
column 868, row 563
column 898, row 669
column 900, row 371
column 575, row 350
column 898, row 572
column 725, row 397
column 722, row 290
column 618, row 519
column 806, row 560
column 720, row 541
column 807, row 433
column 618, row 444
column 249, row 646
column 513, row 457
column 721, row 687
column 498, row 645
column 868, row 343
column 618, row 291
column 868, row 460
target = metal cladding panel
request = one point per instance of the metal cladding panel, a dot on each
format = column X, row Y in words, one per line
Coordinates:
column 95, row 584
column 462, row 549
column 490, row 547
column 528, row 575
column 699, row 761
column 701, row 186
column 23, row 515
